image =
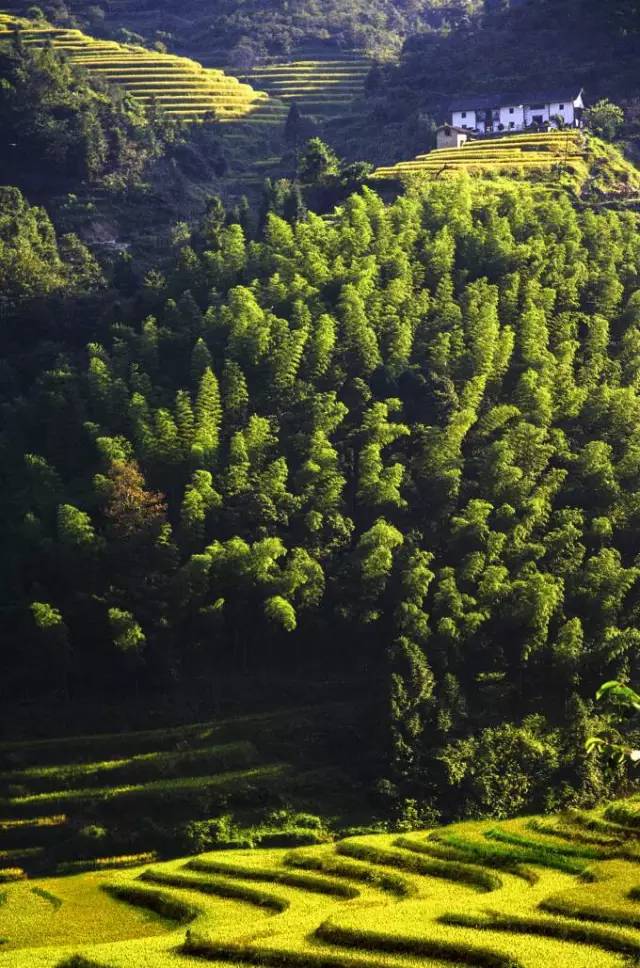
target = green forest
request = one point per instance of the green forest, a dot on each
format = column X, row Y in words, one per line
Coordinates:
column 255, row 29
column 398, row 447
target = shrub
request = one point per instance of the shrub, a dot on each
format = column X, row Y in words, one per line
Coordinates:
column 219, row 833
column 9, row 874
column 291, row 838
column 517, row 762
column 79, row 961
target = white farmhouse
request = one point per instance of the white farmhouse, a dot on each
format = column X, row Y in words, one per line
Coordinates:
column 493, row 113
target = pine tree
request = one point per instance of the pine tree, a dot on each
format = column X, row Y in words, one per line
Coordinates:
column 208, row 416
column 235, row 394
column 200, row 361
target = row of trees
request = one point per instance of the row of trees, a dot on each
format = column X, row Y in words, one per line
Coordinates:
column 397, row 448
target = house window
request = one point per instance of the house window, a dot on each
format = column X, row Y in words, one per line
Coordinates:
column 561, row 107
column 463, row 114
column 511, row 110
column 512, row 124
column 537, row 107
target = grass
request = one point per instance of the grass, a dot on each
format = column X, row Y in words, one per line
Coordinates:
column 516, row 154
column 221, row 887
column 578, row 162
column 453, row 870
column 576, row 932
column 309, row 882
column 456, row 848
column 105, row 863
column 66, row 807
column 353, row 870
column 613, row 903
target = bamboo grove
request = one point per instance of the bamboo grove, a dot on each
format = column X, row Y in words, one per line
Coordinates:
column 397, row 448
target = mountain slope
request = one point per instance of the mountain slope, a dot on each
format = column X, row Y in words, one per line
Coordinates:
column 182, row 88
column 235, row 32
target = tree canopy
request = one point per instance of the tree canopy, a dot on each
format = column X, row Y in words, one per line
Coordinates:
column 397, row 446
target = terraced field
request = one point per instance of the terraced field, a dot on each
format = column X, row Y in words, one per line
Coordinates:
column 324, row 86
column 523, row 155
column 528, row 893
column 183, row 88
column 65, row 806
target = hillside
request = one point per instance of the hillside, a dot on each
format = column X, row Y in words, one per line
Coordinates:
column 532, row 893
column 344, row 451
column 223, row 473
column 243, row 34
column 567, row 159
column 124, row 161
column 182, row 88
column 583, row 43
column 321, row 83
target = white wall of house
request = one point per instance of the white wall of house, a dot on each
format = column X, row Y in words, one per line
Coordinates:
column 517, row 117
column 533, row 112
column 512, row 118
column 565, row 110
column 464, row 119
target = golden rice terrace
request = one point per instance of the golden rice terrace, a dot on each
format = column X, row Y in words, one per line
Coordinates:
column 519, row 154
column 323, row 85
column 537, row 892
column 183, row 88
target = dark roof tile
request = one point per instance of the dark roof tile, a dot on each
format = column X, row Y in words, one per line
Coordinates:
column 487, row 102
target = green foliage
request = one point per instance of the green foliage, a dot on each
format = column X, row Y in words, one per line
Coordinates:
column 49, row 110
column 33, row 262
column 605, row 119
column 127, row 634
column 243, row 35
column 317, row 162
column 622, row 700
column 405, row 436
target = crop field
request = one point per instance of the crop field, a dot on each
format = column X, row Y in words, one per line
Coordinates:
column 324, row 86
column 528, row 893
column 548, row 152
column 180, row 86
column 65, row 804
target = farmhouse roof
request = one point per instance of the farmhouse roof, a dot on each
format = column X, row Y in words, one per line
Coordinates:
column 452, row 127
column 487, row 102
